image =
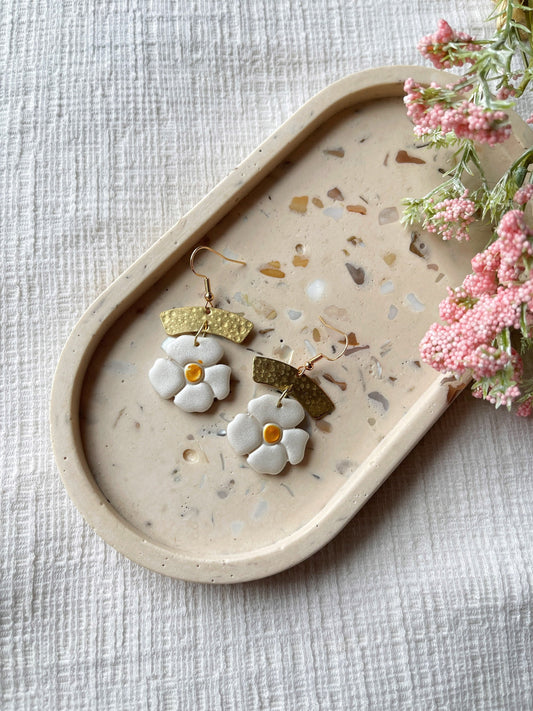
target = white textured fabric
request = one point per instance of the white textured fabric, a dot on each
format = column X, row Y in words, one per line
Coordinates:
column 115, row 119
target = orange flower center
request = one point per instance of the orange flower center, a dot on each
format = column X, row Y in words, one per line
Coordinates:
column 271, row 433
column 193, row 372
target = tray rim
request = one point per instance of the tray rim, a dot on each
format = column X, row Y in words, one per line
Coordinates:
column 381, row 82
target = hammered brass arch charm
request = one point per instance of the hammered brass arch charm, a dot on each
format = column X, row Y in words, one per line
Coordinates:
column 190, row 319
column 283, row 376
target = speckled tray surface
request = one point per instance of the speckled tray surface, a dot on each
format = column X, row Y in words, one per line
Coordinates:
column 315, row 213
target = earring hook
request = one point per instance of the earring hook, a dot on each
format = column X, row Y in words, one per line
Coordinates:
column 311, row 362
column 338, row 330
column 208, row 295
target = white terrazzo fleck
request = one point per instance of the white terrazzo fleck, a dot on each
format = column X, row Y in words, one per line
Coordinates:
column 335, row 212
column 236, row 527
column 388, row 215
column 393, row 312
column 310, row 347
column 316, row 289
column 260, row 510
column 414, row 303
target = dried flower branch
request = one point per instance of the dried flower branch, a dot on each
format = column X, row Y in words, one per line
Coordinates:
column 488, row 320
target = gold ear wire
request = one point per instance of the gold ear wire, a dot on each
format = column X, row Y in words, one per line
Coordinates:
column 311, row 362
column 338, row 330
column 208, row 295
column 199, row 319
column 322, row 401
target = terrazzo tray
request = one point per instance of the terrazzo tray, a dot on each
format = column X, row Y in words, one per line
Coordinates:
column 315, row 213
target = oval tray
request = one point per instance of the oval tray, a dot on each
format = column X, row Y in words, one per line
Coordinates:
column 163, row 486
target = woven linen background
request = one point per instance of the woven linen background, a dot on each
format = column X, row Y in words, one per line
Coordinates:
column 116, row 117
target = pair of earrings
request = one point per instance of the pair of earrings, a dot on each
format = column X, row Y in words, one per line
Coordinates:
column 268, row 433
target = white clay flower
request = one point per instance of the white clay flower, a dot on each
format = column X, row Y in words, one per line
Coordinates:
column 192, row 374
column 268, row 434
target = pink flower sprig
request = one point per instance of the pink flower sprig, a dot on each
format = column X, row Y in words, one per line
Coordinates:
column 481, row 315
column 448, row 210
column 446, row 48
column 488, row 320
column 451, row 217
column 441, row 111
column 502, row 388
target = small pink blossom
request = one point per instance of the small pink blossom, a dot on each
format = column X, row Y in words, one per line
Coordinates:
column 452, row 218
column 477, row 285
column 466, row 119
column 505, row 92
column 498, row 397
column 436, row 47
column 414, row 99
column 525, row 408
column 477, row 124
column 486, row 361
column 505, row 259
column 514, row 238
column 488, row 261
column 454, row 306
column 524, row 194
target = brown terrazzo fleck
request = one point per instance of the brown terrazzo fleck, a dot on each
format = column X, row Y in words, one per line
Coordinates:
column 361, row 209
column 323, row 425
column 337, row 152
column 340, row 383
column 272, row 269
column 355, row 240
column 335, row 194
column 416, row 246
column 299, row 204
column 404, row 157
column 300, row 261
column 356, row 349
column 357, row 273
column 352, row 339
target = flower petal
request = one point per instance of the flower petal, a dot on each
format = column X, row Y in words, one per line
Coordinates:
column 183, row 351
column 195, row 398
column 218, row 378
column 294, row 442
column 268, row 459
column 244, row 434
column 265, row 409
column 166, row 377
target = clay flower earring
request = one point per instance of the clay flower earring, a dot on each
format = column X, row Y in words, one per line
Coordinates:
column 192, row 374
column 268, row 432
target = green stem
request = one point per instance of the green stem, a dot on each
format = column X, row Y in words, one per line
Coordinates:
column 474, row 158
column 527, row 62
column 522, row 161
column 524, row 83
